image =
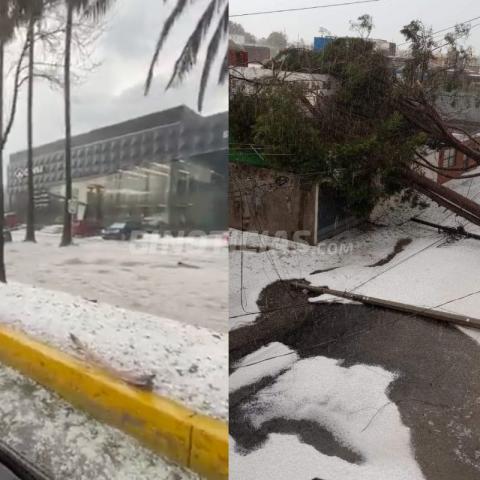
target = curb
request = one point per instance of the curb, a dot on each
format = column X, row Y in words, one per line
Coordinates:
column 185, row 437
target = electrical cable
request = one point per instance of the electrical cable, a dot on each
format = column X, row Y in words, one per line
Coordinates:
column 302, row 8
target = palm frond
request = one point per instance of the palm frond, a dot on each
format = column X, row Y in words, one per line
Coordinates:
column 213, row 47
column 12, row 14
column 173, row 17
column 189, row 54
column 98, row 8
column 224, row 69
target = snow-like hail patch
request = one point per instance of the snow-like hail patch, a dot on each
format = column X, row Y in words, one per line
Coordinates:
column 190, row 363
column 284, row 457
column 68, row 444
column 278, row 259
column 429, row 272
column 268, row 361
column 325, row 298
column 426, row 275
column 183, row 278
column 351, row 403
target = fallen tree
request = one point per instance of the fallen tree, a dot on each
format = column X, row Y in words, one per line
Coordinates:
column 366, row 137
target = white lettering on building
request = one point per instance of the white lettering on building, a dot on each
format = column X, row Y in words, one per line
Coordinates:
column 21, row 173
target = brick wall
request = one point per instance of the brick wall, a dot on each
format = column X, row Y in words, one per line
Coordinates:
column 237, row 58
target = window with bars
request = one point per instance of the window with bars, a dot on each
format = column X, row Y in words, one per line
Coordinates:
column 449, row 158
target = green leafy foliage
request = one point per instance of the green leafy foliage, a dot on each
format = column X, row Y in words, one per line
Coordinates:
column 354, row 140
column 283, row 126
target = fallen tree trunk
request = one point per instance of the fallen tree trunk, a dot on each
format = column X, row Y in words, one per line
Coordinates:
column 448, row 205
column 454, row 197
column 429, row 313
column 420, row 113
column 445, row 197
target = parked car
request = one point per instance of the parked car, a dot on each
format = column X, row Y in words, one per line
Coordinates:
column 86, row 228
column 122, row 230
column 7, row 235
column 11, row 220
column 155, row 224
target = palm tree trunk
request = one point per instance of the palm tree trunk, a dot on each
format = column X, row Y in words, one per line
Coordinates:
column 3, row 276
column 67, row 218
column 30, row 235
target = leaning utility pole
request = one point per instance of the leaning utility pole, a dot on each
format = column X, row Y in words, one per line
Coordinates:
column 414, row 311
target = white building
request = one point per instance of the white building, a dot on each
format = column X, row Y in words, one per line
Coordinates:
column 250, row 78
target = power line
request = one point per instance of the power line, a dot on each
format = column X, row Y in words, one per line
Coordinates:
column 303, row 8
column 434, row 34
column 333, row 340
column 272, row 310
column 453, row 26
column 460, row 36
column 288, row 307
column 305, row 304
column 293, row 352
column 409, row 257
column 430, row 245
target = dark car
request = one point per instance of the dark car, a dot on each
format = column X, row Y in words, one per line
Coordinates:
column 155, row 224
column 7, row 235
column 122, row 230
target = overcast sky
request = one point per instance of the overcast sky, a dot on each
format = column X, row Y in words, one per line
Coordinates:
column 114, row 92
column 389, row 17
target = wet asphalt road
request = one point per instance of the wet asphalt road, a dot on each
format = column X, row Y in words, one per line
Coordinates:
column 438, row 382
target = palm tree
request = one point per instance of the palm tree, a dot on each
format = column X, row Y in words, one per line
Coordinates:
column 95, row 9
column 35, row 10
column 189, row 55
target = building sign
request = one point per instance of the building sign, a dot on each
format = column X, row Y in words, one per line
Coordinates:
column 41, row 199
column 22, row 173
column 72, row 206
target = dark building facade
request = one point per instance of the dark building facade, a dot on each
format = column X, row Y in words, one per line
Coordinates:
column 154, row 165
column 258, row 53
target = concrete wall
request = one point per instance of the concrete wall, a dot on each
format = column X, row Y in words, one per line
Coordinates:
column 245, row 78
column 268, row 201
